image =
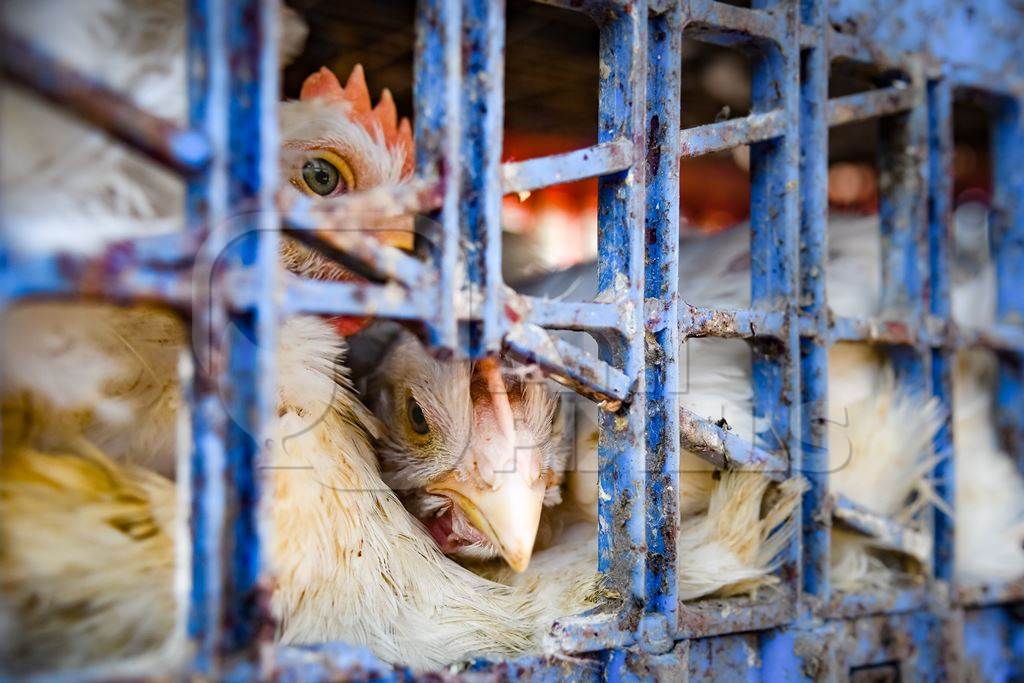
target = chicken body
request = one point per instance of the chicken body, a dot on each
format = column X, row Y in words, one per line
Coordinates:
column 880, row 435
column 93, row 557
column 89, row 545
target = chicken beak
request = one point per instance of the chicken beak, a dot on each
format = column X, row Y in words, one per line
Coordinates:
column 396, row 232
column 500, row 490
column 507, row 511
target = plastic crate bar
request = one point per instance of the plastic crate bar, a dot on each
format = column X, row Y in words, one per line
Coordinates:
column 816, row 526
column 711, row 617
column 774, row 257
column 895, row 601
column 580, row 316
column 437, row 90
column 252, row 235
column 343, row 237
column 715, row 137
column 871, row 104
column 182, row 150
column 698, row 321
column 728, row 25
column 884, row 531
column 533, row 174
column 622, row 536
column 1008, row 242
column 353, row 299
column 205, row 210
column 943, row 360
column 568, row 364
column 483, row 69
column 724, row 449
column 110, row 277
column 661, row 283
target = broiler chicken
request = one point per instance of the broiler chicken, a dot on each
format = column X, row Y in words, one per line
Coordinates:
column 880, row 437
column 880, row 434
column 471, row 448
column 91, row 537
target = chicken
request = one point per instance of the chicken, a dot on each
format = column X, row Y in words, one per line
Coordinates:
column 471, row 448
column 880, row 434
column 989, row 483
column 96, row 538
column 92, row 536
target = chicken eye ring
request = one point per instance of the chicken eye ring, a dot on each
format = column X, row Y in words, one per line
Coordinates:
column 323, row 160
column 417, row 420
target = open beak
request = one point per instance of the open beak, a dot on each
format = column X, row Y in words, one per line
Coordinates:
column 500, row 489
column 506, row 511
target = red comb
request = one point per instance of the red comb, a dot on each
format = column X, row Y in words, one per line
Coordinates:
column 383, row 118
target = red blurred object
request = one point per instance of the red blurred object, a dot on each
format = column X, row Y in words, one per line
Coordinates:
column 853, row 187
column 714, row 194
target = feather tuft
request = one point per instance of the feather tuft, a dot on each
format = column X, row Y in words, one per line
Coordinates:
column 381, row 121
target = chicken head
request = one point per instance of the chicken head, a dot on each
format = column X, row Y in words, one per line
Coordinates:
column 470, row 447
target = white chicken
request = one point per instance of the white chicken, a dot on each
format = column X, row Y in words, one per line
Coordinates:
column 880, row 435
column 349, row 566
column 89, row 534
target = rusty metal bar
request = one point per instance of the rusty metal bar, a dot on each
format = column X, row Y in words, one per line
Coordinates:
column 698, row 321
column 998, row 337
column 437, row 89
column 205, row 462
column 727, row 24
column 713, row 617
column 581, row 316
column 872, row 104
column 533, row 174
column 621, row 215
column 774, row 257
column 891, row 602
column 661, row 284
column 249, row 344
column 724, row 449
column 943, row 358
column 715, row 137
column 859, row 49
column 324, row 297
column 185, row 151
column 569, row 365
column 589, row 633
column 482, row 111
column 1007, row 145
column 874, row 331
column 989, row 593
column 345, row 234
column 106, row 277
column 816, row 529
column 884, row 531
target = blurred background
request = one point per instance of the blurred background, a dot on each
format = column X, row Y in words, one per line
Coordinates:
column 551, row 80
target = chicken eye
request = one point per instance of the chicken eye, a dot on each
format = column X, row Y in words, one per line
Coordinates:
column 321, row 176
column 416, row 418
